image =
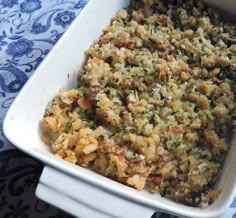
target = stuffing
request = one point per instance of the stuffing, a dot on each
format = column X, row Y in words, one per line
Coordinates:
column 155, row 102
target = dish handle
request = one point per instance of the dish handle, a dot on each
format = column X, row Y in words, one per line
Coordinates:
column 85, row 200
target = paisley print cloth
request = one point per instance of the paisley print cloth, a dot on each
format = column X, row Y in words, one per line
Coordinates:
column 28, row 31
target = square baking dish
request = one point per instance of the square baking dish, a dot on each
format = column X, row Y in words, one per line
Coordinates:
column 72, row 188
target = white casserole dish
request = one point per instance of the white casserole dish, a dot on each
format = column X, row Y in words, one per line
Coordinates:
column 70, row 187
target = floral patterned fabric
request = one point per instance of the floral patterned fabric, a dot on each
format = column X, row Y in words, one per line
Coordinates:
column 28, row 31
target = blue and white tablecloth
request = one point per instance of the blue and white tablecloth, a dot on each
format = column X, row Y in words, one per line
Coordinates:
column 28, row 30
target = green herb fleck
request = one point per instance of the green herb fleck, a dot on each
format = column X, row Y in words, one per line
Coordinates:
column 155, row 112
column 175, row 145
column 168, row 191
column 188, row 126
column 101, row 137
column 176, row 52
column 85, row 94
column 229, row 55
column 209, row 117
column 165, row 192
column 68, row 124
